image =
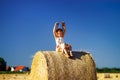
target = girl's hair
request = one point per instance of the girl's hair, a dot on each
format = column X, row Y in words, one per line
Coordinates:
column 59, row 29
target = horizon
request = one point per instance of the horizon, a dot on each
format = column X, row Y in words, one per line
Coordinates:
column 92, row 26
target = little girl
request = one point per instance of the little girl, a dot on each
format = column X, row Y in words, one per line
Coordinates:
column 59, row 34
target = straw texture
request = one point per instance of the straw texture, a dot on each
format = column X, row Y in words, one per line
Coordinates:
column 52, row 65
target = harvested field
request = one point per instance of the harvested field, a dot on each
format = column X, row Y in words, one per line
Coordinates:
column 100, row 76
column 14, row 76
column 108, row 76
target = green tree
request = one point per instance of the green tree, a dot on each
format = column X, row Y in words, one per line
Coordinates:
column 108, row 70
column 2, row 64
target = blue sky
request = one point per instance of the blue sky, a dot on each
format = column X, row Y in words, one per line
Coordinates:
column 92, row 26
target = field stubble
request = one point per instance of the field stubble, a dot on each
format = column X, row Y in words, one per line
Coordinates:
column 100, row 76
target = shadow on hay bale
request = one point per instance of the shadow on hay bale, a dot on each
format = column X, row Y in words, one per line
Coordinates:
column 51, row 65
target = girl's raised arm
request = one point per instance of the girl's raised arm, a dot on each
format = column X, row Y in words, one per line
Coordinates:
column 55, row 28
column 64, row 27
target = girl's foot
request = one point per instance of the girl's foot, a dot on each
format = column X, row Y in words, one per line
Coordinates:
column 66, row 55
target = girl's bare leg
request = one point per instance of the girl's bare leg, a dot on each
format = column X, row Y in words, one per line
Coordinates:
column 71, row 54
column 66, row 54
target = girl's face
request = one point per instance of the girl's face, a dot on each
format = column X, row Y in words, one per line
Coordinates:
column 60, row 34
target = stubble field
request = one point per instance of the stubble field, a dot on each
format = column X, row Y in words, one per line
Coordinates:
column 100, row 76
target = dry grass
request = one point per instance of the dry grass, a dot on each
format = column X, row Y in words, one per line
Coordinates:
column 14, row 76
column 108, row 76
column 51, row 65
column 101, row 76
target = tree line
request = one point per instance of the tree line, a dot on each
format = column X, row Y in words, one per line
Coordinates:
column 2, row 64
column 108, row 70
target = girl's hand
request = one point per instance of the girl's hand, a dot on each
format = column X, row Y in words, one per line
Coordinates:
column 63, row 23
column 57, row 23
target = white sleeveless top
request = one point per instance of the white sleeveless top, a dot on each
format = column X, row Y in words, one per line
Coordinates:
column 59, row 40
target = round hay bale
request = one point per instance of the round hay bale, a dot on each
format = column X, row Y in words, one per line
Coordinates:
column 52, row 65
